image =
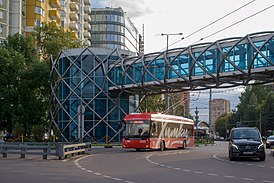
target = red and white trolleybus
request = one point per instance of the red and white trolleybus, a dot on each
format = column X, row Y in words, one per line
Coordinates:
column 157, row 131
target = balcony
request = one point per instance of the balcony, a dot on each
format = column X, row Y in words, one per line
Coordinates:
column 55, row 3
column 87, row 10
column 73, row 16
column 87, row 18
column 54, row 14
column 73, row 7
column 73, row 26
column 87, row 2
column 86, row 35
column 74, row 34
column 87, row 26
column 86, row 43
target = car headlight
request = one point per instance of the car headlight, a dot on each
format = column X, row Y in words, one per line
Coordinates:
column 261, row 145
column 268, row 142
column 235, row 146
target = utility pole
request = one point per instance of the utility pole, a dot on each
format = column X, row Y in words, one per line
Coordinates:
column 209, row 110
column 167, row 39
column 196, row 117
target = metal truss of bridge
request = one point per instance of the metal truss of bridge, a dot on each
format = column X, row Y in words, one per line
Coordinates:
column 92, row 89
column 224, row 63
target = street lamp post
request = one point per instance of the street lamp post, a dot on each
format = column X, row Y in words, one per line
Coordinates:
column 167, row 39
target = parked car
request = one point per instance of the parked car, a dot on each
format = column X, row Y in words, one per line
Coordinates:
column 246, row 142
column 270, row 141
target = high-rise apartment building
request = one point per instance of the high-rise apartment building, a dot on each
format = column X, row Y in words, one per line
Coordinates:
column 218, row 107
column 12, row 17
column 21, row 16
column 111, row 28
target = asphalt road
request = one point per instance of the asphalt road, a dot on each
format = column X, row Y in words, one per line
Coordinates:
column 206, row 164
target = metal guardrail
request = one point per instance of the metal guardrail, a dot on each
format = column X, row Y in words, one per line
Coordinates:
column 60, row 150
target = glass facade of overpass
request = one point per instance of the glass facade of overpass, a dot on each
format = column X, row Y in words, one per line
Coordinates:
column 224, row 56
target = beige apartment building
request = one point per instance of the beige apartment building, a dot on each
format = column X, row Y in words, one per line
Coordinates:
column 218, row 107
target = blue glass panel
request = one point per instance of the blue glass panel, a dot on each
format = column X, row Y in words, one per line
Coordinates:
column 138, row 72
column 129, row 75
column 160, row 68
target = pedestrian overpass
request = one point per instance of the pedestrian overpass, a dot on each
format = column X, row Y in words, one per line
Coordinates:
column 92, row 89
column 224, row 63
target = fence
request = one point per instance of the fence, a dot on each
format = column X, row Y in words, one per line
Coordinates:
column 43, row 149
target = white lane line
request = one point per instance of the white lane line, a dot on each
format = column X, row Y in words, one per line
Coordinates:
column 249, row 179
column 129, row 181
column 262, row 166
column 249, row 164
column 177, row 168
column 230, row 177
column 76, row 163
column 198, row 172
column 212, row 174
column 185, row 170
column 268, row 181
column 97, row 173
column 168, row 166
column 116, row 179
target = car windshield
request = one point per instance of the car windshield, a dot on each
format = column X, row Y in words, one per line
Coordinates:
column 270, row 138
column 246, row 134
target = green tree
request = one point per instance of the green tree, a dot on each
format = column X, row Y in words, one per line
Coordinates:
column 152, row 103
column 51, row 40
column 11, row 64
column 24, row 45
column 256, row 107
column 24, row 85
column 221, row 124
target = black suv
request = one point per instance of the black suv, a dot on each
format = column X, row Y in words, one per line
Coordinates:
column 246, row 142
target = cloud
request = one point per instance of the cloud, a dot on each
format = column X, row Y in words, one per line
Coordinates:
column 134, row 9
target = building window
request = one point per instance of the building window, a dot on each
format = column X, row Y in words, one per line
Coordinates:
column 38, row 23
column 1, row 29
column 1, row 3
column 1, row 15
column 39, row 11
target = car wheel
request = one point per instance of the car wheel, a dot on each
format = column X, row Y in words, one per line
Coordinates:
column 162, row 146
column 231, row 158
column 262, row 158
column 184, row 145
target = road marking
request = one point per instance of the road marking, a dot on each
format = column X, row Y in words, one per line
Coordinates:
column 268, row 181
column 212, row 174
column 116, row 178
column 177, row 168
column 247, row 178
column 76, row 163
column 186, row 170
column 228, row 176
column 198, row 172
column 262, row 166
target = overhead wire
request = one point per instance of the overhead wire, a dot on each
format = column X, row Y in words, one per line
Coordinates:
column 235, row 23
column 241, row 7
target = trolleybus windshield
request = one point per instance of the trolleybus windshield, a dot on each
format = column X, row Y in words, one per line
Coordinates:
column 137, row 129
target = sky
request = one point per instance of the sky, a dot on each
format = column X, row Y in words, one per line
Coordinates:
column 187, row 17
